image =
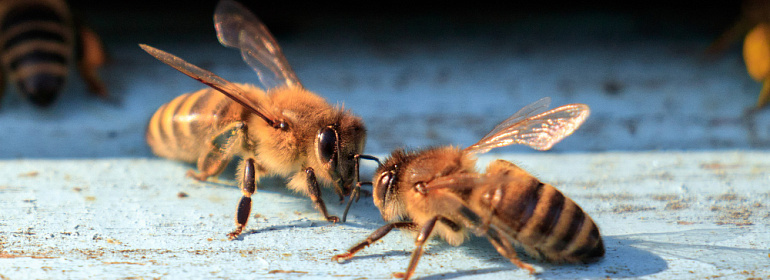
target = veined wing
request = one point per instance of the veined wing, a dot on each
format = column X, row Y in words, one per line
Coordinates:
column 230, row 89
column 532, row 127
column 530, row 110
column 238, row 28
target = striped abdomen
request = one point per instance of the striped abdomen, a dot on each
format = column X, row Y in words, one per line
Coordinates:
column 546, row 223
column 183, row 128
column 37, row 40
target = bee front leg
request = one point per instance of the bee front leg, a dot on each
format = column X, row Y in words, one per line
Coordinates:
column 314, row 190
column 423, row 236
column 376, row 235
column 251, row 171
column 356, row 193
column 216, row 159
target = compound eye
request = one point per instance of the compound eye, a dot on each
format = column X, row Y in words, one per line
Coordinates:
column 385, row 179
column 383, row 184
column 327, row 144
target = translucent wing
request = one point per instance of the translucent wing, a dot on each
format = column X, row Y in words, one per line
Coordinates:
column 238, row 28
column 456, row 181
column 231, row 90
column 535, row 108
column 532, row 127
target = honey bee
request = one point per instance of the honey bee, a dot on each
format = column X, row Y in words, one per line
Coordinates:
column 754, row 25
column 38, row 40
column 438, row 191
column 283, row 130
column 756, row 54
column 752, row 13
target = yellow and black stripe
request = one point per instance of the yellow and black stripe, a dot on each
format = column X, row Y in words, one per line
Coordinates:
column 180, row 128
column 36, row 43
column 548, row 223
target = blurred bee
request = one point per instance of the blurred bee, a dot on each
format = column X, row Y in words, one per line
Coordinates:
column 752, row 13
column 37, row 41
column 756, row 54
column 438, row 191
column 754, row 24
column 284, row 130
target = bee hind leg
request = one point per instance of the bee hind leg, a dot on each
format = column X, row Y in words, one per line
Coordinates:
column 221, row 150
column 506, row 249
column 251, row 171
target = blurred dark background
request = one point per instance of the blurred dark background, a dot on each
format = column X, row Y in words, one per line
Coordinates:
column 422, row 73
column 292, row 16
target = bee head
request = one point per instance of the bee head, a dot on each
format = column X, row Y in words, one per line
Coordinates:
column 336, row 146
column 386, row 183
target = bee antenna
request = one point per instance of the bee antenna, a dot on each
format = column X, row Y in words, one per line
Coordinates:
column 369, row 157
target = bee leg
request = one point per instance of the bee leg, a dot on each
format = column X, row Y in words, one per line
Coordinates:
column 91, row 56
column 742, row 26
column 451, row 224
column 493, row 203
column 506, row 249
column 356, row 193
column 2, row 84
column 353, row 196
column 315, row 195
column 376, row 235
column 499, row 167
column 211, row 164
column 764, row 94
column 218, row 156
column 423, row 236
column 251, row 171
